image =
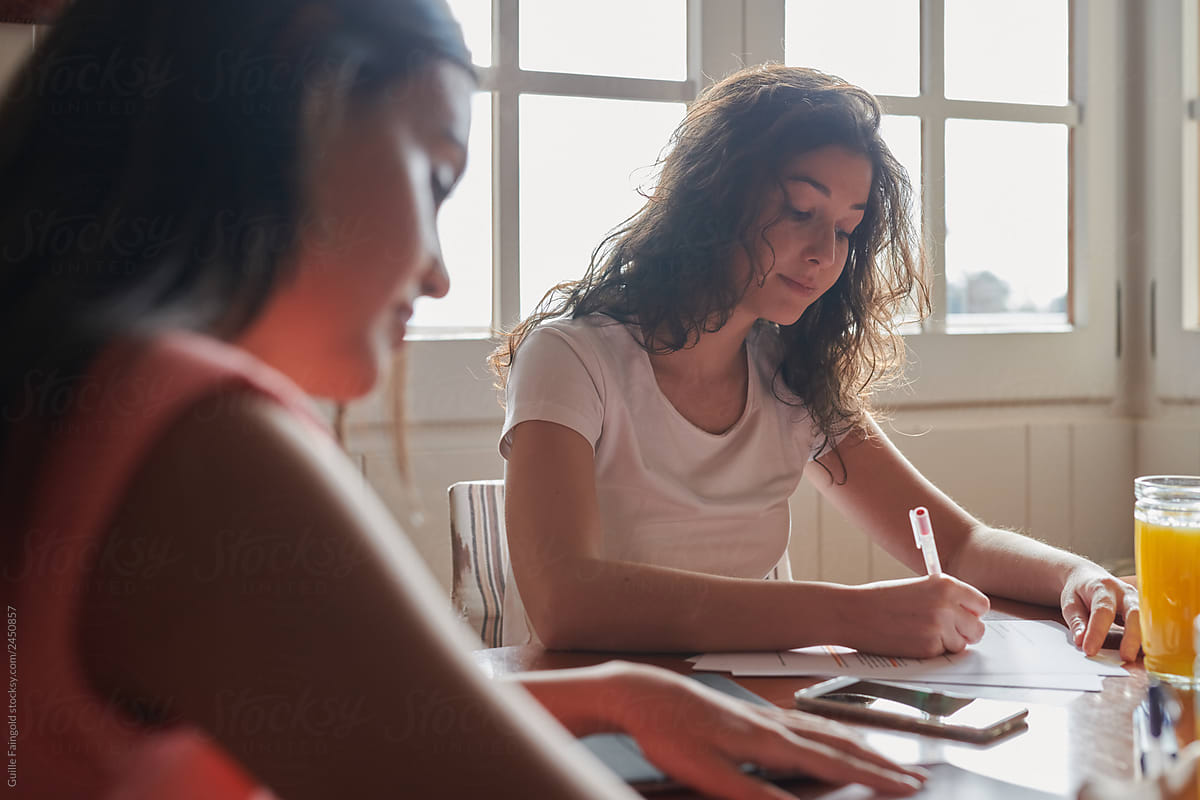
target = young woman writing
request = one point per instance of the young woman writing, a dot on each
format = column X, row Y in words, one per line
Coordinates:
column 662, row 409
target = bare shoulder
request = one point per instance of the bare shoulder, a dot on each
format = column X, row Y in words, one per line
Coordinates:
column 238, row 504
column 278, row 588
column 240, row 457
column 238, row 443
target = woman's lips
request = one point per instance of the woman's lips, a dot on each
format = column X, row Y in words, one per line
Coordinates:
column 796, row 285
column 399, row 324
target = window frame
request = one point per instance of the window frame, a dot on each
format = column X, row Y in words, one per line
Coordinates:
column 966, row 367
column 449, row 392
column 973, row 368
column 1172, row 193
column 1079, row 365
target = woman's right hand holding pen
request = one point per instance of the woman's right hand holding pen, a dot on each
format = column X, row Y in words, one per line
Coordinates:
column 921, row 617
column 914, row 617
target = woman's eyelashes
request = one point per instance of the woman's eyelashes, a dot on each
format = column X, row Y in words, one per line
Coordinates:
column 440, row 188
column 805, row 216
column 442, row 181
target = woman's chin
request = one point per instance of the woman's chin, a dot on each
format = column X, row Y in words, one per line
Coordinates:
column 358, row 374
column 349, row 389
column 784, row 319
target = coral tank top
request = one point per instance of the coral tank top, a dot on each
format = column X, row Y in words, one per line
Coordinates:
column 60, row 738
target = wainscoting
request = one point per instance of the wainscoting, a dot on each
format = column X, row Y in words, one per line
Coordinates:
column 1061, row 473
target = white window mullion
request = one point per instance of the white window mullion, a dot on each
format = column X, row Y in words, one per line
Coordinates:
column 506, row 196
column 933, row 157
column 762, row 26
column 566, row 84
column 695, row 44
column 928, row 105
column 716, row 27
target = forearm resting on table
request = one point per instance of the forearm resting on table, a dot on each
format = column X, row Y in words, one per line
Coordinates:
column 593, row 604
column 588, row 700
column 1009, row 564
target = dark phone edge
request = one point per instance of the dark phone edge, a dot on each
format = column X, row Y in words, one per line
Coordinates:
column 999, row 730
column 671, row 785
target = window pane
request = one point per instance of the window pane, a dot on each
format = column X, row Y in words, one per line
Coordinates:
column 903, row 137
column 626, row 38
column 872, row 43
column 581, row 161
column 1006, row 225
column 475, row 16
column 465, row 227
column 1015, row 52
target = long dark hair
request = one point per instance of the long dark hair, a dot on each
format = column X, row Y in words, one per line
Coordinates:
column 667, row 268
column 151, row 154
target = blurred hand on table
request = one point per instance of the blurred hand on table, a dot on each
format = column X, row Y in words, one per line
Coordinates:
column 701, row 737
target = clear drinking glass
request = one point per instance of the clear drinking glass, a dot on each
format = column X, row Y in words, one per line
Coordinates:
column 1167, row 546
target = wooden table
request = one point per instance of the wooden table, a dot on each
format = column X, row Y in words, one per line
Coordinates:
column 1091, row 735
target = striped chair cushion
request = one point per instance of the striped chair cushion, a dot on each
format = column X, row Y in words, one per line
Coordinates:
column 479, row 556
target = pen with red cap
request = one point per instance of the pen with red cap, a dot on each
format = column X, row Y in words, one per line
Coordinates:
column 923, row 533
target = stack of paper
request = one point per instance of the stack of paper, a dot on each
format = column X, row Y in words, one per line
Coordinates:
column 1022, row 653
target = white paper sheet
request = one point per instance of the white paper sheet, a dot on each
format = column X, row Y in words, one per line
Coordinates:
column 1023, row 653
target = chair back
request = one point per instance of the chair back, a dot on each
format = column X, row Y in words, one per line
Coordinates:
column 479, row 556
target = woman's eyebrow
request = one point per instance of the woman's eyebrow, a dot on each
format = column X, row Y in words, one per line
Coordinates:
column 823, row 189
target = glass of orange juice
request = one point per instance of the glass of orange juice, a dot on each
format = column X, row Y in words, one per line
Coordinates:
column 1166, row 531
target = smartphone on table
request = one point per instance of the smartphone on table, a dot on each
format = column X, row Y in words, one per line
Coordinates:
column 913, row 708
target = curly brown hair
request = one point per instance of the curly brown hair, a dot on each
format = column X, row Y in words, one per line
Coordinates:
column 667, row 269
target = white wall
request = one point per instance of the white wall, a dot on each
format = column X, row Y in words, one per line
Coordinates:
column 1061, row 473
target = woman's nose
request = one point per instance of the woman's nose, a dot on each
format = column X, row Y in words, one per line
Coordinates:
column 436, row 280
column 822, row 246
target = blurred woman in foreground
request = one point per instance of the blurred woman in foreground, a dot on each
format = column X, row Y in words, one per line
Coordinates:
column 210, row 212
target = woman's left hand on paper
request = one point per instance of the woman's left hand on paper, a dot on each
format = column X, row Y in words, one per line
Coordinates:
column 1092, row 600
column 701, row 737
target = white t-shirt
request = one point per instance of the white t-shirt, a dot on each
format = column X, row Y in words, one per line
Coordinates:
column 670, row 493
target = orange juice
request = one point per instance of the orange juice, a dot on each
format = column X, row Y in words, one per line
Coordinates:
column 1168, row 568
